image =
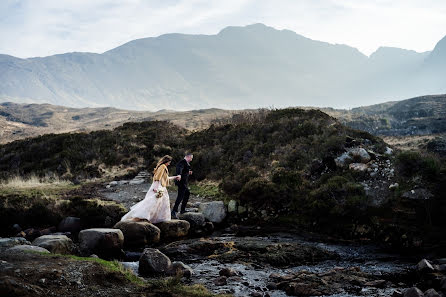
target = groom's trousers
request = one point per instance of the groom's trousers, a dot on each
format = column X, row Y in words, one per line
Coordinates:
column 183, row 195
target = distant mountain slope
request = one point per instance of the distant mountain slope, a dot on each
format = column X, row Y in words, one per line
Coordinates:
column 241, row 67
column 18, row 121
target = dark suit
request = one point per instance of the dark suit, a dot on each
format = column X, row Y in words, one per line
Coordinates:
column 183, row 169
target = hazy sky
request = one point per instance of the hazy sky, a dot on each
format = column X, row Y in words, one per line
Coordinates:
column 44, row 27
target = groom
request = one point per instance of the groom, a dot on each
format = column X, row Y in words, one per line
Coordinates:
column 183, row 169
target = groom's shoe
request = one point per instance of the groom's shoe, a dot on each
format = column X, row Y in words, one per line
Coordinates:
column 184, row 211
column 173, row 214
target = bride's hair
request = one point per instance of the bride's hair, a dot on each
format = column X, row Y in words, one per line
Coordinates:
column 162, row 161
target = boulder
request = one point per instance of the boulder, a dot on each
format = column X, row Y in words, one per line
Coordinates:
column 173, row 229
column 57, row 244
column 27, row 248
column 138, row 234
column 220, row 281
column 360, row 167
column 241, row 209
column 13, row 241
column 197, row 223
column 180, row 269
column 70, row 224
column 354, row 155
column 214, row 211
column 413, row 292
column 136, row 181
column 153, row 262
column 232, row 206
column 104, row 242
column 425, row 266
column 431, row 293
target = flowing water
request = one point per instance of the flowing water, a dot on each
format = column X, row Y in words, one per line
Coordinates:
column 255, row 278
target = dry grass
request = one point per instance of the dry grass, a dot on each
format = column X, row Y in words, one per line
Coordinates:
column 34, row 182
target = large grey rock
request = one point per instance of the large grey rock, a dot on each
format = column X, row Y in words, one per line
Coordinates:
column 354, row 155
column 173, row 229
column 13, row 241
column 27, row 248
column 360, row 167
column 70, row 224
column 138, row 233
column 57, row 244
column 153, row 262
column 197, row 223
column 413, row 292
column 104, row 242
column 214, row 211
column 431, row 293
column 180, row 269
column 425, row 266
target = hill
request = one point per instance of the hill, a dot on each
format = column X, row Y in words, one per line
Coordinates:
column 411, row 117
column 19, row 121
column 240, row 67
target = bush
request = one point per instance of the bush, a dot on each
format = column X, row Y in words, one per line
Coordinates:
column 260, row 191
column 412, row 163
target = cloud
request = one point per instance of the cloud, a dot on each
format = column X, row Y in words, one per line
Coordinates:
column 45, row 27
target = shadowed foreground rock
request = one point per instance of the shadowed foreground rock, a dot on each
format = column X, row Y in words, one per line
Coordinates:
column 57, row 244
column 104, row 242
column 173, row 229
column 138, row 234
column 153, row 262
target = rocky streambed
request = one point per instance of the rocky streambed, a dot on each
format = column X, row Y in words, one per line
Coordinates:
column 286, row 264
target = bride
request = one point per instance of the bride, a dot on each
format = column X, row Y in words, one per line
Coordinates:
column 155, row 207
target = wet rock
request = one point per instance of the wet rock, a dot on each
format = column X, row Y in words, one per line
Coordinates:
column 413, row 292
column 48, row 231
column 173, row 229
column 153, row 262
column 380, row 283
column 70, row 224
column 232, row 206
column 138, row 234
column 57, row 244
column 13, row 241
column 180, row 269
column 256, row 294
column 228, row 272
column 27, row 248
column 16, row 228
column 198, row 224
column 136, row 181
column 214, row 211
column 220, row 281
column 431, row 293
column 425, row 266
column 241, row 209
column 104, row 242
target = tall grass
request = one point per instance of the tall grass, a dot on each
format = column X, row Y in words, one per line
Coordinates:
column 33, row 181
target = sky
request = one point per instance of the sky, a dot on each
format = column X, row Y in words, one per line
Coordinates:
column 31, row 28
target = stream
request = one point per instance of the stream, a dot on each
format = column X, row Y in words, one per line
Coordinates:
column 254, row 277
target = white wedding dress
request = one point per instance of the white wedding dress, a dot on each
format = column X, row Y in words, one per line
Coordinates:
column 153, row 209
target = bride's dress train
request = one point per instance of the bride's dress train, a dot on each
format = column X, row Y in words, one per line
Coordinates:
column 153, row 209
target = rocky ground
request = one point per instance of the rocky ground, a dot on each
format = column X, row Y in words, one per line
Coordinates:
column 206, row 250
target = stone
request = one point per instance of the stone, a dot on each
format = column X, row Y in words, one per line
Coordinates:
column 113, row 183
column 354, row 155
column 388, row 151
column 418, row 194
column 13, row 241
column 228, row 272
column 360, row 167
column 57, row 244
column 31, row 234
column 220, row 281
column 431, row 293
column 70, row 224
column 214, row 211
column 425, row 266
column 27, row 248
column 413, row 292
column 198, row 224
column 16, row 228
column 241, row 209
column 393, row 186
column 153, row 262
column 138, row 234
column 104, row 242
column 136, row 181
column 380, row 283
column 232, row 206
column 173, row 229
column 180, row 269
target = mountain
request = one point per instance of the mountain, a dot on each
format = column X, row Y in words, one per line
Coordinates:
column 240, row 67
